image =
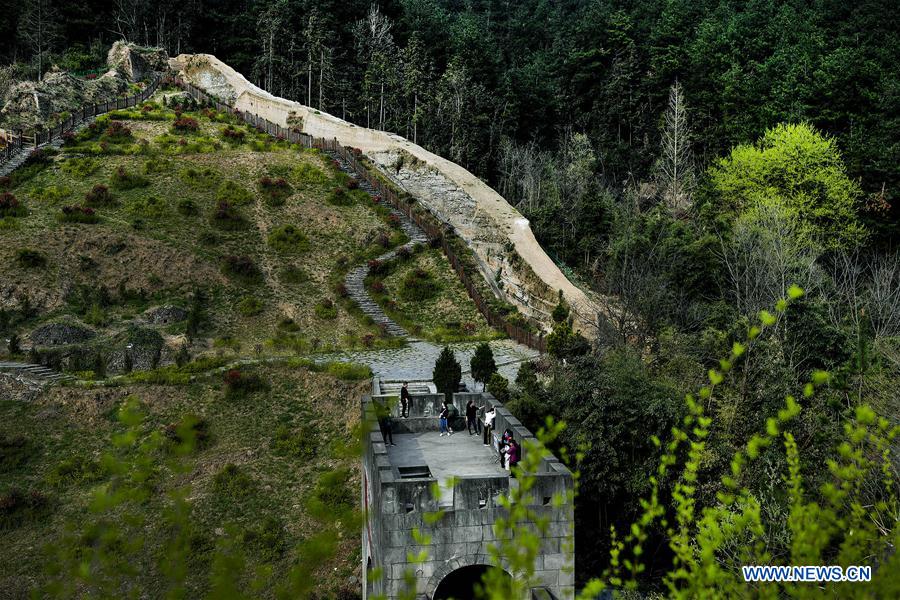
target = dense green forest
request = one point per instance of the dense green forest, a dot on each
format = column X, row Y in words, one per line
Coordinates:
column 688, row 159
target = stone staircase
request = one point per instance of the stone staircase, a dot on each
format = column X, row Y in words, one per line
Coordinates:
column 33, row 376
column 355, row 280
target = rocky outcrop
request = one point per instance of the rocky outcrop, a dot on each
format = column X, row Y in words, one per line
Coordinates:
column 136, row 62
column 29, row 104
column 165, row 315
column 493, row 224
column 60, row 334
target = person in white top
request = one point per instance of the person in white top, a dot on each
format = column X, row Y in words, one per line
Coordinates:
column 488, row 425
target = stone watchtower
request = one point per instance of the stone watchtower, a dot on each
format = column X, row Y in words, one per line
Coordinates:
column 398, row 490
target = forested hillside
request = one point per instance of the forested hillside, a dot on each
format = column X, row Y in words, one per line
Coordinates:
column 724, row 174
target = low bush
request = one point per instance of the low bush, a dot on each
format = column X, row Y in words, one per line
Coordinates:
column 376, row 267
column 275, row 191
column 232, row 482
column 200, row 178
column 157, row 164
column 185, row 125
column 267, row 542
column 15, row 452
column 232, row 135
column 5, row 182
column 233, row 193
column 242, row 268
column 124, row 180
column 301, row 442
column 187, row 207
column 10, row 206
column 51, row 194
column 98, row 196
column 288, row 239
column 228, row 217
column 326, row 309
column 332, row 494
column 250, row 306
column 348, row 371
column 117, row 132
column 288, row 325
column 293, row 275
column 309, row 174
column 419, row 285
column 18, row 507
column 30, row 259
column 149, row 207
column 81, row 167
column 190, row 434
column 340, row 196
column 76, row 469
column 79, row 214
column 240, row 385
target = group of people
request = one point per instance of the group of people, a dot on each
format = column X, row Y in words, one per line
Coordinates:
column 508, row 447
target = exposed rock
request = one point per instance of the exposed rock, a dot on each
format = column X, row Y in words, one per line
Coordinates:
column 165, row 315
column 140, row 350
column 136, row 62
column 13, row 387
column 60, row 334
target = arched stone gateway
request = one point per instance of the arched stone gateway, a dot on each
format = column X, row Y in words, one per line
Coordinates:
column 405, row 483
column 459, row 583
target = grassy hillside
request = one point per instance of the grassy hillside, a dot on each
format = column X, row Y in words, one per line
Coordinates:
column 267, row 452
column 154, row 206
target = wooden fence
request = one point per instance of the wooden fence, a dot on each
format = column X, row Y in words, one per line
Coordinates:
column 433, row 230
column 22, row 141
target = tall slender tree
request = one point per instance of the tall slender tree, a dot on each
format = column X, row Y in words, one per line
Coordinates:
column 38, row 26
column 676, row 165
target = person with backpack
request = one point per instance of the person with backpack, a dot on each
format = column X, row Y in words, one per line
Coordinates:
column 443, row 419
column 452, row 416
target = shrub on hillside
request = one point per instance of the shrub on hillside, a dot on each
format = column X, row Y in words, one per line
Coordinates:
column 81, row 167
column 287, row 239
column 309, row 174
column 157, row 164
column 79, row 214
column 293, row 274
column 326, row 309
column 418, row 285
column 275, row 191
column 241, row 267
column 227, row 217
column 98, row 196
column 205, row 178
column 117, row 132
column 187, row 207
column 191, row 433
column 18, row 507
column 376, row 267
column 239, row 385
column 233, row 193
column 301, row 442
column 232, row 482
column 30, row 259
column 185, row 125
column 124, row 180
column 250, row 306
column 5, row 182
column 150, row 207
column 267, row 542
column 232, row 135
column 340, row 196
column 15, row 452
column 10, row 206
column 76, row 469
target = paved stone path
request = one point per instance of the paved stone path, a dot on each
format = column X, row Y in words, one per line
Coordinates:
column 355, row 280
column 415, row 361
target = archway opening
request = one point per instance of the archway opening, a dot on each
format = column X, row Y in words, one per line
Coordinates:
column 464, row 583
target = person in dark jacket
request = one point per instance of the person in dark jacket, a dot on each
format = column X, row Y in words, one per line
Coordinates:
column 404, row 400
column 443, row 419
column 385, row 423
column 472, row 417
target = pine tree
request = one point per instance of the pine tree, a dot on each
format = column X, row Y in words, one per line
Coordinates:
column 675, row 169
column 482, row 364
column 14, row 347
column 447, row 373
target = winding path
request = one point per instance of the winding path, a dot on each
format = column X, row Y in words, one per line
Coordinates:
column 355, row 279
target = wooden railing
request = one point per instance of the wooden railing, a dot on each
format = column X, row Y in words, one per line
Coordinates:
column 22, row 141
column 434, row 230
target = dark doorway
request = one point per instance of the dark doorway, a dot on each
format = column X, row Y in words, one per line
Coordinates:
column 463, row 583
